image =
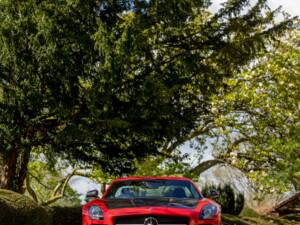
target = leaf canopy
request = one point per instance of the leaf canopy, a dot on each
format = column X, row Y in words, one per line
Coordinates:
column 108, row 81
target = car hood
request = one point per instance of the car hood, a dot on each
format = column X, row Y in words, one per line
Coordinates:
column 151, row 202
column 121, row 208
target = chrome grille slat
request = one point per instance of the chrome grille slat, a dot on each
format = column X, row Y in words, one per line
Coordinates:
column 140, row 220
column 143, row 224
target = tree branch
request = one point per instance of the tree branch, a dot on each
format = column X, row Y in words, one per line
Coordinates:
column 30, row 190
column 209, row 125
column 236, row 143
column 206, row 165
column 38, row 180
column 60, row 189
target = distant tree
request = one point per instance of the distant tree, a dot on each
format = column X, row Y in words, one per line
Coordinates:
column 254, row 119
column 50, row 186
column 258, row 118
column 107, row 81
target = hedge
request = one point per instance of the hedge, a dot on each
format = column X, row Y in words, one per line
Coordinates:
column 17, row 209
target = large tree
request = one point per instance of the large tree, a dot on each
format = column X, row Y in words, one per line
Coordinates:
column 107, row 81
column 46, row 48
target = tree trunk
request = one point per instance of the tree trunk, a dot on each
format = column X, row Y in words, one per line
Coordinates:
column 14, row 170
column 8, row 170
column 22, row 173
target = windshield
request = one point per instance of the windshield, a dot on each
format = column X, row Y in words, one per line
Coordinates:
column 152, row 189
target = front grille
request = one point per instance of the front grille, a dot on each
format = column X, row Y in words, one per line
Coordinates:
column 161, row 220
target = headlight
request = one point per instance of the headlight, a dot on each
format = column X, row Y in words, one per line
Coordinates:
column 208, row 212
column 95, row 213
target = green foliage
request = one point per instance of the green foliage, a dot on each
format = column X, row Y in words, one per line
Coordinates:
column 256, row 118
column 107, row 81
column 43, row 179
column 176, row 165
column 230, row 201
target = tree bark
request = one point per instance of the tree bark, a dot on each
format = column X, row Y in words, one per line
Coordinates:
column 8, row 170
column 22, row 173
column 13, row 170
column 206, row 165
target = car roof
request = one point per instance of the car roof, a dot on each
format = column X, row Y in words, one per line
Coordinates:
column 151, row 178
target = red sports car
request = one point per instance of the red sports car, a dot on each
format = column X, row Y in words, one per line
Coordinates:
column 151, row 201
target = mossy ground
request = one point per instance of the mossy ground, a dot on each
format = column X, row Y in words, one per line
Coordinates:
column 250, row 217
column 261, row 220
column 17, row 209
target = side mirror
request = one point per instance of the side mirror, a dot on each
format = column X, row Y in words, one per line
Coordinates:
column 92, row 194
column 212, row 193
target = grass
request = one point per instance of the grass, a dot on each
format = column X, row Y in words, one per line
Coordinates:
column 250, row 217
column 261, row 220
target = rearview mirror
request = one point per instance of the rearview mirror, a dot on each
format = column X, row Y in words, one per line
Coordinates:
column 151, row 184
column 212, row 193
column 92, row 194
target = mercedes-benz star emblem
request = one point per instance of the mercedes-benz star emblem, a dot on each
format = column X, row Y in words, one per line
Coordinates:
column 150, row 221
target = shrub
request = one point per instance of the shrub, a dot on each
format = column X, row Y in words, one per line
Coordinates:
column 16, row 209
column 231, row 202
